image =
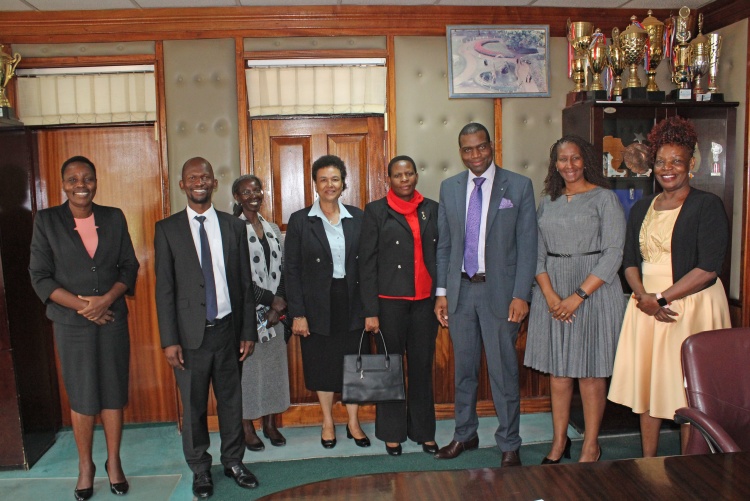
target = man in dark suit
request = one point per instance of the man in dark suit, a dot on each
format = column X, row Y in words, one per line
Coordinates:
column 486, row 259
column 206, row 321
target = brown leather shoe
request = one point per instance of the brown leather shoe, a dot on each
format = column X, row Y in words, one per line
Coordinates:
column 453, row 449
column 511, row 458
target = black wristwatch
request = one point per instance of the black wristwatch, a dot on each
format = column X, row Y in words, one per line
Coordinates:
column 661, row 300
column 582, row 294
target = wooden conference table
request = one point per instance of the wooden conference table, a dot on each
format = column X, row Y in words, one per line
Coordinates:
column 704, row 477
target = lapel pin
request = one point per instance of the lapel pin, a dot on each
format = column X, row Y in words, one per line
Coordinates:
column 424, row 218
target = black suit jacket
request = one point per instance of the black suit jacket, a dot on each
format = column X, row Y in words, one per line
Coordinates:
column 180, row 287
column 60, row 260
column 386, row 251
column 308, row 269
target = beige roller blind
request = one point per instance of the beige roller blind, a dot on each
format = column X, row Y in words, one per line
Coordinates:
column 86, row 98
column 309, row 90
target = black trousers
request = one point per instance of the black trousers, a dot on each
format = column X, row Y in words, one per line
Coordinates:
column 409, row 327
column 215, row 362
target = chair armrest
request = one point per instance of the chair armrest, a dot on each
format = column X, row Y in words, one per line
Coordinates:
column 718, row 439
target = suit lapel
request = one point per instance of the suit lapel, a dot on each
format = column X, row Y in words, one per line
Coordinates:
column 499, row 185
column 227, row 238
column 70, row 227
column 185, row 236
column 460, row 199
column 399, row 217
column 316, row 226
column 103, row 231
column 348, row 223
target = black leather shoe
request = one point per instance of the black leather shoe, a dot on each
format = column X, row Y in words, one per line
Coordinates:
column 361, row 442
column 393, row 451
column 252, row 441
column 242, row 476
column 566, row 454
column 120, row 488
column 453, row 449
column 271, row 432
column 511, row 458
column 84, row 494
column 328, row 444
column 429, row 448
column 203, row 485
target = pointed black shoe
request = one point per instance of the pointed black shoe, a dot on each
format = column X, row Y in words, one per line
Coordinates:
column 429, row 449
column 84, row 494
column 566, row 454
column 361, row 442
column 328, row 444
column 120, row 488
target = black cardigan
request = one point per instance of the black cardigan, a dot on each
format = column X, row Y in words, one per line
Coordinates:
column 700, row 238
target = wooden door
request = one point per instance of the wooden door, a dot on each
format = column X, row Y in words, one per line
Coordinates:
column 129, row 177
column 285, row 149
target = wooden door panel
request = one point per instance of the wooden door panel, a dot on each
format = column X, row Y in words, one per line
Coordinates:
column 287, row 154
column 352, row 149
column 128, row 177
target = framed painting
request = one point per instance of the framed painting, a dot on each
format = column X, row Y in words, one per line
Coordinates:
column 498, row 61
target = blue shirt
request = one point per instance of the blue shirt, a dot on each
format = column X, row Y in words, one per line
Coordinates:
column 335, row 235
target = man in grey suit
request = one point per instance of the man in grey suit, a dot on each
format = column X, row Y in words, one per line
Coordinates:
column 486, row 259
column 206, row 321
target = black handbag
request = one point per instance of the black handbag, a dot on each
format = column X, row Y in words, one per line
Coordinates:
column 372, row 378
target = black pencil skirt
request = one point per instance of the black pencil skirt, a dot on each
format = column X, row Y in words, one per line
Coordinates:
column 94, row 361
column 323, row 355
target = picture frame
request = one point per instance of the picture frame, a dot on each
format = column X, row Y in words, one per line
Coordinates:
column 498, row 61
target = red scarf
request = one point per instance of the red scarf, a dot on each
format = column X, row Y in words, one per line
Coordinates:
column 422, row 279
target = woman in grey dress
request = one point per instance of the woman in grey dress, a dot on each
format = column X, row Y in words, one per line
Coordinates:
column 265, row 376
column 578, row 304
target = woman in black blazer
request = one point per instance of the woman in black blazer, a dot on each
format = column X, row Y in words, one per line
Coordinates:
column 82, row 264
column 322, row 287
column 397, row 271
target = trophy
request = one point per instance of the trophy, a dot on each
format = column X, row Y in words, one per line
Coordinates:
column 714, row 48
column 597, row 62
column 633, row 43
column 716, row 150
column 681, row 56
column 699, row 60
column 579, row 37
column 654, row 55
column 616, row 62
column 7, row 67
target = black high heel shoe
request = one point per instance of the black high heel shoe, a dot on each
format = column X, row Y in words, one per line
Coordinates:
column 329, row 444
column 566, row 453
column 120, row 488
column 84, row 494
column 361, row 442
column 429, row 448
column 393, row 451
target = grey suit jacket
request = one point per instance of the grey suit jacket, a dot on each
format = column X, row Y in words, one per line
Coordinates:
column 180, row 287
column 510, row 240
column 60, row 260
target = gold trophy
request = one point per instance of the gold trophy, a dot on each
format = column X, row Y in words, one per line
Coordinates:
column 633, row 43
column 7, row 67
column 579, row 37
column 714, row 48
column 617, row 63
column 681, row 56
column 655, row 30
column 597, row 53
column 699, row 60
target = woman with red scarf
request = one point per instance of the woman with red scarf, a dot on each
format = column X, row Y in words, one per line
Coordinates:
column 397, row 283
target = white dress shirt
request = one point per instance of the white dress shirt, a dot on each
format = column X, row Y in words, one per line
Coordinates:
column 217, row 255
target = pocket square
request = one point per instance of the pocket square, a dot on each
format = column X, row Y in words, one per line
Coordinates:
column 505, row 204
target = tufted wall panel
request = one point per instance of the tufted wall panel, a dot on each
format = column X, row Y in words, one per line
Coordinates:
column 427, row 121
column 200, row 86
column 84, row 49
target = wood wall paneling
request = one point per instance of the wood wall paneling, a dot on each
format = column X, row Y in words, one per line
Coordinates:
column 129, row 177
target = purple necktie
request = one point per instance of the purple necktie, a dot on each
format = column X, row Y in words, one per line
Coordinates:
column 473, row 222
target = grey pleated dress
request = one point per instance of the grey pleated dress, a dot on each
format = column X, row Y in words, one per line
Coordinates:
column 591, row 221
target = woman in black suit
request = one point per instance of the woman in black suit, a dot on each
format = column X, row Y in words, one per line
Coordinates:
column 82, row 264
column 321, row 277
column 397, row 271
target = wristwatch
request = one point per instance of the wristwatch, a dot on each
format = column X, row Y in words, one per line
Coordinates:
column 582, row 294
column 661, row 300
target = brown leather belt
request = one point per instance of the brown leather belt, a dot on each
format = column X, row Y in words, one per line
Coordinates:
column 477, row 278
column 219, row 321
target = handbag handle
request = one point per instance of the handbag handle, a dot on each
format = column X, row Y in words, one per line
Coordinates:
column 385, row 348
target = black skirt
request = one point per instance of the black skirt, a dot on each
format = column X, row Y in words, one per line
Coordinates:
column 323, row 354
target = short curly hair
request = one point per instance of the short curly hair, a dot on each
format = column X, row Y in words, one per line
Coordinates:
column 673, row 130
column 592, row 170
column 329, row 161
